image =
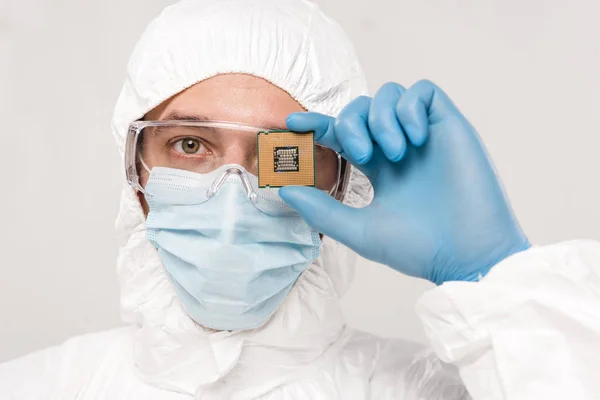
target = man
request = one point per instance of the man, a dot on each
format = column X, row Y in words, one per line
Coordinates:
column 229, row 294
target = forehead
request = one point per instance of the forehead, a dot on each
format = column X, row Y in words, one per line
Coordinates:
column 231, row 97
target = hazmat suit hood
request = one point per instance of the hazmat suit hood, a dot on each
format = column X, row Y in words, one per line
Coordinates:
column 293, row 45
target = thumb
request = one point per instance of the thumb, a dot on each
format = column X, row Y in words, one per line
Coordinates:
column 325, row 214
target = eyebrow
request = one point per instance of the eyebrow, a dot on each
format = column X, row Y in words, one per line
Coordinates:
column 180, row 116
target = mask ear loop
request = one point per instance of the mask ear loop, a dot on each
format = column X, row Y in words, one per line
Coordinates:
column 334, row 189
column 143, row 163
column 145, row 166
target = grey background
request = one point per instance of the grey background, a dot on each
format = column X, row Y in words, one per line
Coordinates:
column 524, row 72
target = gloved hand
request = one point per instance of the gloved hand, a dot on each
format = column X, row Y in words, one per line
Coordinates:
column 439, row 211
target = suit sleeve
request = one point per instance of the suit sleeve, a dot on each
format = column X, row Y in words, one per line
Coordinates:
column 529, row 330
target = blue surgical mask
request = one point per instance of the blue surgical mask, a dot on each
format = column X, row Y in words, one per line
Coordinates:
column 232, row 251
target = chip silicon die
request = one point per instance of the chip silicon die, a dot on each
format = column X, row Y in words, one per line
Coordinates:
column 286, row 159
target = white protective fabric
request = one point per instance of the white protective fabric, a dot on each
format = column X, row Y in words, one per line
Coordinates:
column 305, row 351
column 529, row 330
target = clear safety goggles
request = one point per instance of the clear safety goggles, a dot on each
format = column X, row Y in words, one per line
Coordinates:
column 204, row 147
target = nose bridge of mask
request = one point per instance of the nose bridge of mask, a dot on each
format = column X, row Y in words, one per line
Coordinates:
column 174, row 186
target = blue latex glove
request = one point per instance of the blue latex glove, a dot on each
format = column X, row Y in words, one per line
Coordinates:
column 439, row 210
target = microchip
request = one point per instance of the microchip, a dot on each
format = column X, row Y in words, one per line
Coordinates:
column 285, row 158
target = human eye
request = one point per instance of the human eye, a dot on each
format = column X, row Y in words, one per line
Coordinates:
column 189, row 146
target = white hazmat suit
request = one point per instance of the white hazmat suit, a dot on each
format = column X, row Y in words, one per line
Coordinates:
column 529, row 330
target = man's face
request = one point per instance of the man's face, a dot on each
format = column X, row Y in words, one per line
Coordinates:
column 234, row 98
